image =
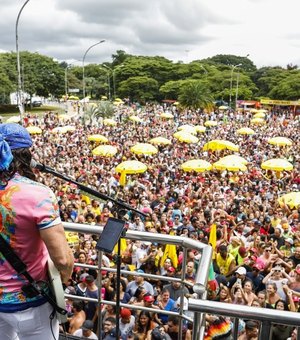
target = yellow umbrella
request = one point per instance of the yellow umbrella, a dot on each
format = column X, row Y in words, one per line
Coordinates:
column 73, row 98
column 116, row 102
column 167, row 115
column 110, row 122
column 211, row 123
column 245, row 131
column 259, row 115
column 135, row 119
column 97, row 138
column 262, row 110
column 198, row 165
column 144, row 149
column 291, row 199
column 34, row 130
column 188, row 128
column 222, row 107
column 253, row 110
column 277, row 164
column 129, row 167
column 105, row 151
column 258, row 121
column 235, row 158
column 200, row 128
column 229, row 164
column 103, row 97
column 185, row 137
column 280, row 141
column 13, row 119
column 160, row 141
column 219, row 144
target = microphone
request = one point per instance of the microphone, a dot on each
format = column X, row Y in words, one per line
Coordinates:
column 41, row 167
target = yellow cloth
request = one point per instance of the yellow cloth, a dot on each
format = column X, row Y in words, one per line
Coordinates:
column 86, row 199
column 213, row 236
column 123, row 246
column 123, row 179
column 170, row 252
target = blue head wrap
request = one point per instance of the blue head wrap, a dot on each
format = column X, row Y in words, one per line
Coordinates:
column 12, row 136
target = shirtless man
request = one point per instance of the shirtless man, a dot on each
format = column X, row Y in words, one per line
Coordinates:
column 78, row 318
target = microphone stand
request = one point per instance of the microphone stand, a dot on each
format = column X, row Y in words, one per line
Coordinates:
column 93, row 192
column 121, row 206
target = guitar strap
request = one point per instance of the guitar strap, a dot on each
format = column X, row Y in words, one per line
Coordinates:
column 33, row 288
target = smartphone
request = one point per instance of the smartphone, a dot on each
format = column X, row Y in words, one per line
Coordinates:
column 239, row 281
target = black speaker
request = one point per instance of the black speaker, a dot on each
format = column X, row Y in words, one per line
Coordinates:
column 110, row 235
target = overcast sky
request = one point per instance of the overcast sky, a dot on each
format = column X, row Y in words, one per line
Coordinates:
column 186, row 30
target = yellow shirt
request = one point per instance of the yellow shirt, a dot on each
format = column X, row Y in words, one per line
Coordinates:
column 224, row 264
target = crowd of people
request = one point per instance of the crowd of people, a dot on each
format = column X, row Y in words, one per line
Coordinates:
column 256, row 259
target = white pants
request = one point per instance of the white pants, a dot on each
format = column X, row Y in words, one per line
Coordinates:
column 30, row 324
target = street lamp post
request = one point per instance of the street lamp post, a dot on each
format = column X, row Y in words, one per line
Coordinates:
column 114, row 78
column 108, row 80
column 230, row 93
column 66, row 76
column 83, row 59
column 19, row 92
column 237, row 89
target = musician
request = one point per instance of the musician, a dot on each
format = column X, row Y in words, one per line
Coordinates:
column 30, row 223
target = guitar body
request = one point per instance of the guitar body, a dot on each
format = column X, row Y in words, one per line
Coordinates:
column 57, row 289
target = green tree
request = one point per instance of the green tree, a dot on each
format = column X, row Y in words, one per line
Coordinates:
column 171, row 89
column 288, row 88
column 141, row 89
column 266, row 78
column 194, row 94
column 229, row 59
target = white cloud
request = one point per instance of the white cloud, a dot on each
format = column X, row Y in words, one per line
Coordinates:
column 267, row 30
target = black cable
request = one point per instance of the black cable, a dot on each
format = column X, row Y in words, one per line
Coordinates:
column 51, row 317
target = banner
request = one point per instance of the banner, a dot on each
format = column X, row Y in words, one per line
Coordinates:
column 280, row 102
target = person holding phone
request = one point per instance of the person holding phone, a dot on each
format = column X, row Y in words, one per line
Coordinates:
column 279, row 277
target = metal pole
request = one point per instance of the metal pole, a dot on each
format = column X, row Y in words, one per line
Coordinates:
column 19, row 91
column 237, row 89
column 114, row 83
column 83, row 59
column 114, row 78
column 66, row 82
column 231, row 76
column 108, row 80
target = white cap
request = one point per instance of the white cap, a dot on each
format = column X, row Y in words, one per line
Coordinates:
column 241, row 271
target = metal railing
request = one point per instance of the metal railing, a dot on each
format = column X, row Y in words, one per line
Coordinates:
column 198, row 305
column 265, row 316
column 184, row 242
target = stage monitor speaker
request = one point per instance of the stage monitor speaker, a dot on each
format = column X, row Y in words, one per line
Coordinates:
column 110, row 235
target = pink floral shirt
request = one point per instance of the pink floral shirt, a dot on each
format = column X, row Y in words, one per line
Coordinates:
column 26, row 207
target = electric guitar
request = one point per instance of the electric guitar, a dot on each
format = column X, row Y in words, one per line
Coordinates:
column 57, row 290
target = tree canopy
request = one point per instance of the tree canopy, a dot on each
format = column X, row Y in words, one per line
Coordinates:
column 144, row 79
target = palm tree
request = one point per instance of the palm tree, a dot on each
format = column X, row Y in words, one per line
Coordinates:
column 94, row 112
column 194, row 94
